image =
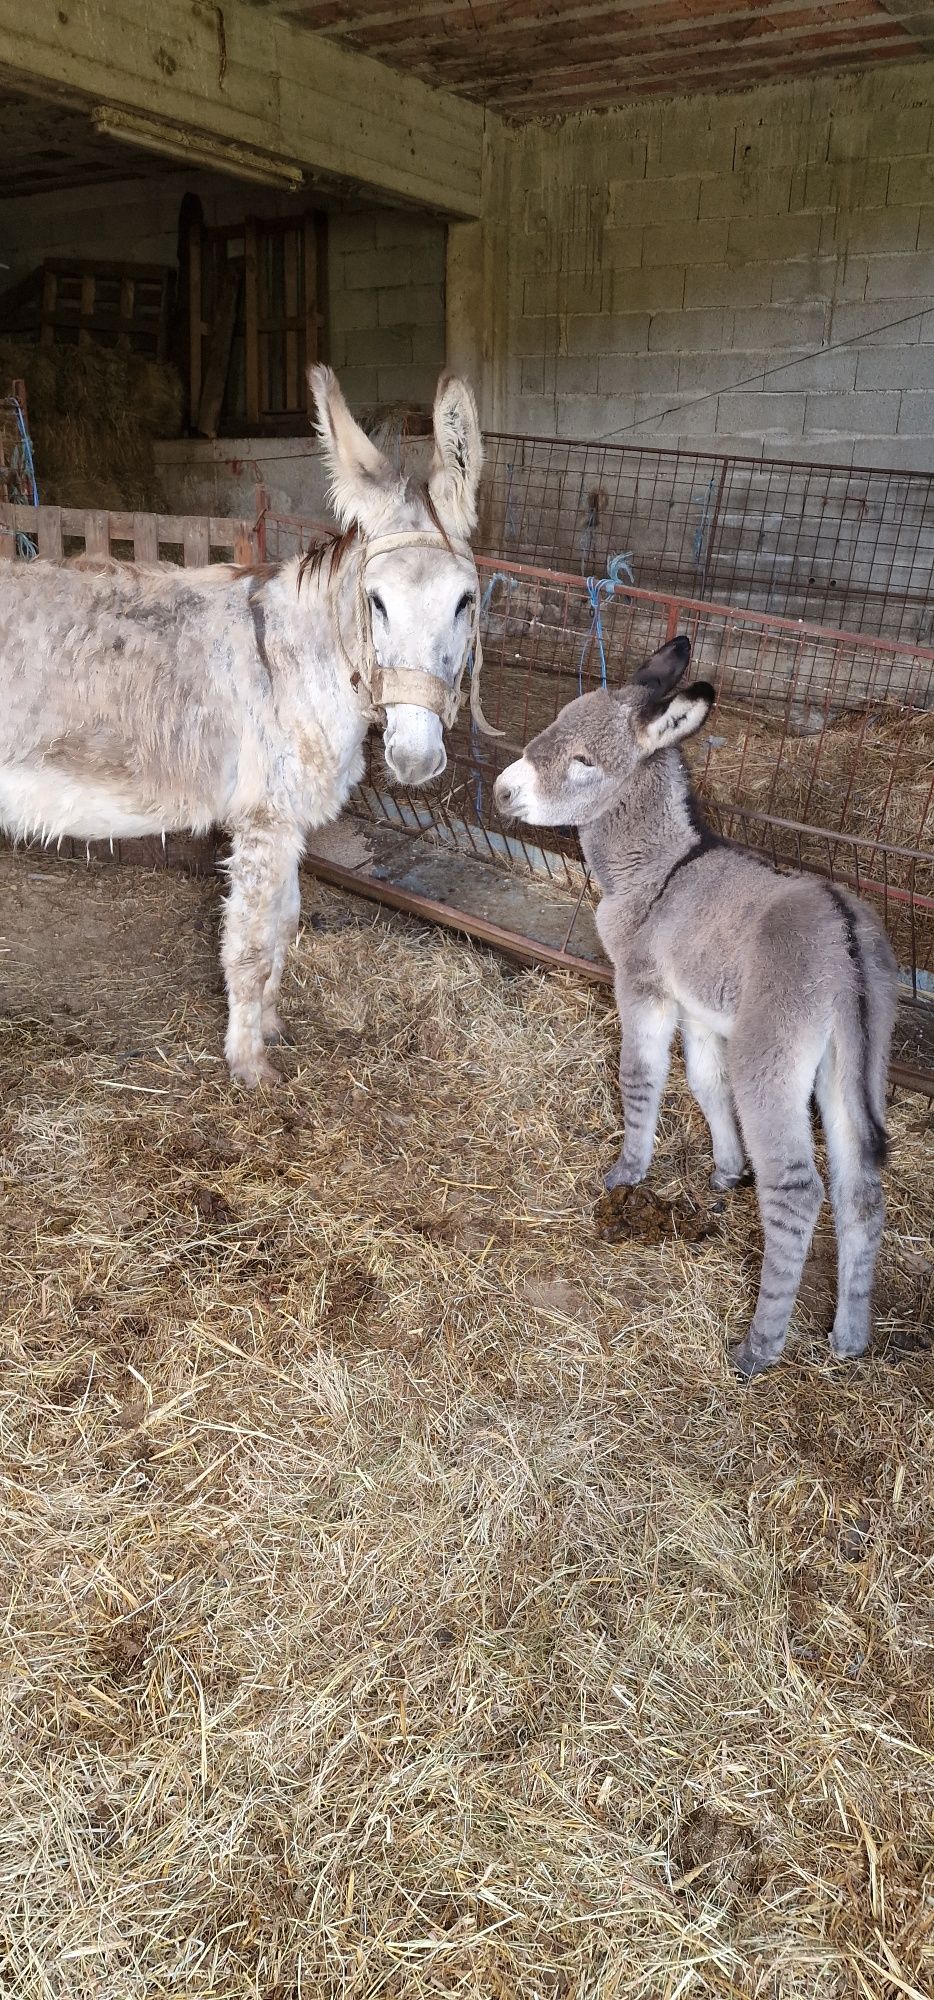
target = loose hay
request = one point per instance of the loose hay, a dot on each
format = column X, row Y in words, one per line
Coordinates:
column 401, row 1596
column 94, row 413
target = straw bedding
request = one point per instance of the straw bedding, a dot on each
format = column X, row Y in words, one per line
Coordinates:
column 400, row 1597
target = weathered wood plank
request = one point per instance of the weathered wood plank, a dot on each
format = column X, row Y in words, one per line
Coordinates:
column 145, row 539
column 96, row 533
column 218, row 356
column 50, row 533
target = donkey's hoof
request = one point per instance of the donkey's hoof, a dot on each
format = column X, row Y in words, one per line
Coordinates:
column 723, row 1183
column 276, row 1036
column 621, row 1175
column 749, row 1361
column 258, row 1070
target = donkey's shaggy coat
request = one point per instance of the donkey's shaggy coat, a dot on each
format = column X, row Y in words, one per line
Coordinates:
column 140, row 701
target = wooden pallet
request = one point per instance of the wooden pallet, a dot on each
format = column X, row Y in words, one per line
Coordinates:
column 69, row 302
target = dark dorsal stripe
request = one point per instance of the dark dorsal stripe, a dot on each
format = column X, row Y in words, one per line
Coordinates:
column 704, row 844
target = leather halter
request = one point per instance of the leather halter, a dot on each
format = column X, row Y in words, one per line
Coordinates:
column 378, row 688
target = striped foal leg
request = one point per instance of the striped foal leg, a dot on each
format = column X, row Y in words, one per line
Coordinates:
column 859, row 1214
column 647, row 1028
column 776, row 1126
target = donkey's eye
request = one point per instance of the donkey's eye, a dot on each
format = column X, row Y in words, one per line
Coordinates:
column 580, row 764
column 466, row 603
column 377, row 603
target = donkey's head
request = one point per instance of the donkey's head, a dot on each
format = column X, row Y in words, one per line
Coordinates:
column 417, row 582
column 582, row 765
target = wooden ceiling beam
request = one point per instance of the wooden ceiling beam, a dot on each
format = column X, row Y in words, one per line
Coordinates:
column 917, row 19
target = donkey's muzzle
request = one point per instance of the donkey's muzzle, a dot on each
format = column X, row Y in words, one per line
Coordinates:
column 413, row 743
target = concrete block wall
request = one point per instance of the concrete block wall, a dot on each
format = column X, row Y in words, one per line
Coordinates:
column 386, row 306
column 746, row 272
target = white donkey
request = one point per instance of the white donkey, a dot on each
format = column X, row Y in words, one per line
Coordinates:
column 150, row 700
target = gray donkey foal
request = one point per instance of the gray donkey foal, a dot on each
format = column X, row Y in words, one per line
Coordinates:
column 784, row 987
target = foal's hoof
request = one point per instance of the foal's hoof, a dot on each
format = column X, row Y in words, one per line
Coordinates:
column 848, row 1343
column 725, row 1183
column 749, row 1361
column 621, row 1176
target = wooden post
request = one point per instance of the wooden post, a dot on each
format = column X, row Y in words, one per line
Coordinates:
column 195, row 316
column 251, row 323
column 218, row 356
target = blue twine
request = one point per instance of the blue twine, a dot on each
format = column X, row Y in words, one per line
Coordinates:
column 600, row 590
column 22, row 460
column 499, row 576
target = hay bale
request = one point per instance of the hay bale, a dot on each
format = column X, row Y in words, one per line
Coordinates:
column 94, row 413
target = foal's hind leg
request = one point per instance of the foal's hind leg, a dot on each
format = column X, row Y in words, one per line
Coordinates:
column 859, row 1213
column 705, row 1059
column 773, row 1097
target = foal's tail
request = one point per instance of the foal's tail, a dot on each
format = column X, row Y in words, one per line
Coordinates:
column 864, row 1018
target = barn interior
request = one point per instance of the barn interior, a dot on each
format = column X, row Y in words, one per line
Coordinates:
column 400, row 1595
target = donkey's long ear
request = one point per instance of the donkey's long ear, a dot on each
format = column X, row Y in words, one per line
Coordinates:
column 666, row 667
column 360, row 479
column 455, row 473
column 669, row 719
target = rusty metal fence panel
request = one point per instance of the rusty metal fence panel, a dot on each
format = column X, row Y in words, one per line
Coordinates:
column 848, row 547
column 819, row 753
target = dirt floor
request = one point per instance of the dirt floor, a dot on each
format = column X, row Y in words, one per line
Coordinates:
column 400, row 1596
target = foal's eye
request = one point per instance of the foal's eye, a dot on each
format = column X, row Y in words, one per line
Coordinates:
column 377, row 603
column 466, row 603
column 581, row 763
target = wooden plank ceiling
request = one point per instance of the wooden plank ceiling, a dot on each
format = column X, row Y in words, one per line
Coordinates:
column 529, row 59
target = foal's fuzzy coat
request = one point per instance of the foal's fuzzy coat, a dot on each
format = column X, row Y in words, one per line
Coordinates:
column 784, row 987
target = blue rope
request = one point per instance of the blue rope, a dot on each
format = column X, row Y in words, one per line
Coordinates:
column 22, row 460
column 600, row 590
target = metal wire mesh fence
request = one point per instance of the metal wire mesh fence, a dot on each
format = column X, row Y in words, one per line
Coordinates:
column 834, row 545
column 819, row 753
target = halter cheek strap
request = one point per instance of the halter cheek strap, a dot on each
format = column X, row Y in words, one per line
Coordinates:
column 379, row 688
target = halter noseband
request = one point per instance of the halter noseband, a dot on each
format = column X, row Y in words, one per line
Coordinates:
column 378, row 688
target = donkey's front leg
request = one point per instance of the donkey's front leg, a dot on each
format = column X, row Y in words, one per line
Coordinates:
column 262, row 862
column 647, row 1028
column 288, row 914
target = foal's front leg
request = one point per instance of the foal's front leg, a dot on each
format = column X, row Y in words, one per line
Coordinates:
column 262, row 863
column 647, row 1028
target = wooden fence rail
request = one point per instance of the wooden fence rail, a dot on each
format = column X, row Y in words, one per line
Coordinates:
column 191, row 539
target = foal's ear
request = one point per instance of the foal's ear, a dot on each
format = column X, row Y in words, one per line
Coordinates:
column 458, row 459
column 360, row 479
column 666, row 667
column 668, row 720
